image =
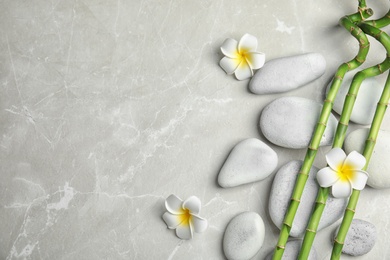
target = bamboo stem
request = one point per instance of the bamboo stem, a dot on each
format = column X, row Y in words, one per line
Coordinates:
column 370, row 142
column 348, row 23
column 339, row 140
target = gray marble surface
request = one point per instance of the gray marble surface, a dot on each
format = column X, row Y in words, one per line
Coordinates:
column 108, row 107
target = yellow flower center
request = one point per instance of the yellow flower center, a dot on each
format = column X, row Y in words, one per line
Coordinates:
column 185, row 217
column 345, row 171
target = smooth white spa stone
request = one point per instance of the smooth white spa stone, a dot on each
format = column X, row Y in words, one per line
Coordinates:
column 250, row 160
column 291, row 251
column 379, row 165
column 368, row 96
column 244, row 236
column 280, row 195
column 360, row 239
column 290, row 122
column 287, row 73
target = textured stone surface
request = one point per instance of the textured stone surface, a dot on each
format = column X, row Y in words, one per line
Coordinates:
column 280, row 195
column 250, row 160
column 379, row 166
column 368, row 96
column 290, row 121
column 244, row 236
column 287, row 73
column 360, row 239
column 291, row 251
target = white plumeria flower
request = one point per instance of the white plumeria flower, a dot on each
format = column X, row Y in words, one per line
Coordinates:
column 241, row 57
column 344, row 172
column 183, row 216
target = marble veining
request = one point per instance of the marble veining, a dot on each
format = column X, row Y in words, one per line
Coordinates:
column 107, row 107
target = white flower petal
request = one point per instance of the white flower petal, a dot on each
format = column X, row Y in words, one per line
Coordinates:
column 199, row 224
column 255, row 60
column 355, row 160
column 229, row 65
column 243, row 71
column 326, row 177
column 173, row 204
column 172, row 220
column 193, row 204
column 184, row 231
column 341, row 189
column 229, row 48
column 359, row 180
column 335, row 157
column 248, row 43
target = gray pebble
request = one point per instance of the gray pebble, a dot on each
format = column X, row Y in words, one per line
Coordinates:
column 287, row 73
column 280, row 195
column 360, row 239
column 244, row 236
column 365, row 104
column 290, row 122
column 250, row 160
column 379, row 163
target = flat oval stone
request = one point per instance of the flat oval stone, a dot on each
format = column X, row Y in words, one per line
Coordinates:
column 379, row 163
column 290, row 122
column 291, row 252
column 368, row 96
column 244, row 236
column 280, row 195
column 288, row 73
column 250, row 160
column 360, row 239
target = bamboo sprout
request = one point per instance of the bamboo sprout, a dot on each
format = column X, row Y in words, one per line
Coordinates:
column 348, row 23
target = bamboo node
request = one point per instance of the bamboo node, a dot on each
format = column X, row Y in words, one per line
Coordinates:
column 320, row 202
column 312, row 148
column 360, row 60
column 363, row 46
column 353, row 95
column 379, row 68
column 383, row 104
column 338, row 242
column 349, row 209
column 303, row 173
column 378, row 35
column 371, row 140
column 287, row 224
column 328, row 101
column 342, row 123
column 281, row 247
column 338, row 77
column 310, row 230
column 294, row 199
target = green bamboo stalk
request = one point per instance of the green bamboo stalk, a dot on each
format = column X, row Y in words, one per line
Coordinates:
column 348, row 23
column 370, row 142
column 339, row 139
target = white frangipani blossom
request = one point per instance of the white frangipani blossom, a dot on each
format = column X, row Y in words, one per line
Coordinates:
column 241, row 58
column 183, row 216
column 343, row 173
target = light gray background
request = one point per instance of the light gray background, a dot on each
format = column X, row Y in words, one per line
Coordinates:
column 107, row 107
